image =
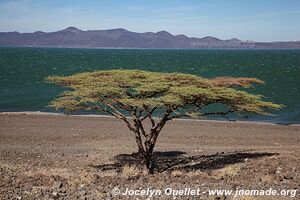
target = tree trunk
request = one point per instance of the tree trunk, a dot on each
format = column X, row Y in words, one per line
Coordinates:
column 149, row 146
column 139, row 143
column 147, row 158
column 146, row 150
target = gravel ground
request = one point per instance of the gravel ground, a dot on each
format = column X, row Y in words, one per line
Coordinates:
column 47, row 156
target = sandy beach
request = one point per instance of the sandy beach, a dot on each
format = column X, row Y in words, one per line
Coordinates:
column 53, row 156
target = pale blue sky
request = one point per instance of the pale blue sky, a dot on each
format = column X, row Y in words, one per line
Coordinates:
column 259, row 20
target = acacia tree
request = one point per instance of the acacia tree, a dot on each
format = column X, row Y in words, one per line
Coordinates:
column 135, row 96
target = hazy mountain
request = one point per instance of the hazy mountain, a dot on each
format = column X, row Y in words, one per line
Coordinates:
column 73, row 37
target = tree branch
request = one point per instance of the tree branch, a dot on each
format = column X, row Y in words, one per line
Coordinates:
column 149, row 115
column 204, row 114
column 142, row 128
column 163, row 120
column 176, row 116
column 116, row 114
column 218, row 113
column 137, row 122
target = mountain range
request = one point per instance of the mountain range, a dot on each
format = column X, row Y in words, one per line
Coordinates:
column 73, row 37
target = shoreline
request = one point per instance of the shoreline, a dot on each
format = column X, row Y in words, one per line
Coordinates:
column 169, row 48
column 192, row 120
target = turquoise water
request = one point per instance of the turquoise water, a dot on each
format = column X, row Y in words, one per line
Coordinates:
column 22, row 71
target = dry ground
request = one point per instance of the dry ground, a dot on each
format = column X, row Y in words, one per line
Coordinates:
column 75, row 157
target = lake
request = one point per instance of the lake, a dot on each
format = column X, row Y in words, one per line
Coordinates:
column 22, row 72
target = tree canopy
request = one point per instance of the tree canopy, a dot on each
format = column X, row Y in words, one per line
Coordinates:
column 139, row 90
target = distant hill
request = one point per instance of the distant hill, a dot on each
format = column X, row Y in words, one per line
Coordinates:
column 73, row 37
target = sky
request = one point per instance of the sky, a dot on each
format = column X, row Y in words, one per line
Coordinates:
column 257, row 20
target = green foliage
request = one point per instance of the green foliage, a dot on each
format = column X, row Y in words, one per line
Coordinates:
column 136, row 90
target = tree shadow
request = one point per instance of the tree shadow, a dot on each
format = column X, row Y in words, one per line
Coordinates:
column 178, row 160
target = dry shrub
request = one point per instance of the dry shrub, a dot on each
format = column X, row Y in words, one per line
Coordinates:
column 176, row 173
column 268, row 179
column 130, row 171
column 226, row 172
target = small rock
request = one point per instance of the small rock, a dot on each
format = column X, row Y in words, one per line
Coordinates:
column 82, row 192
column 57, row 184
column 288, row 177
column 17, row 190
column 19, row 198
column 62, row 194
column 62, row 190
column 54, row 194
column 279, row 169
